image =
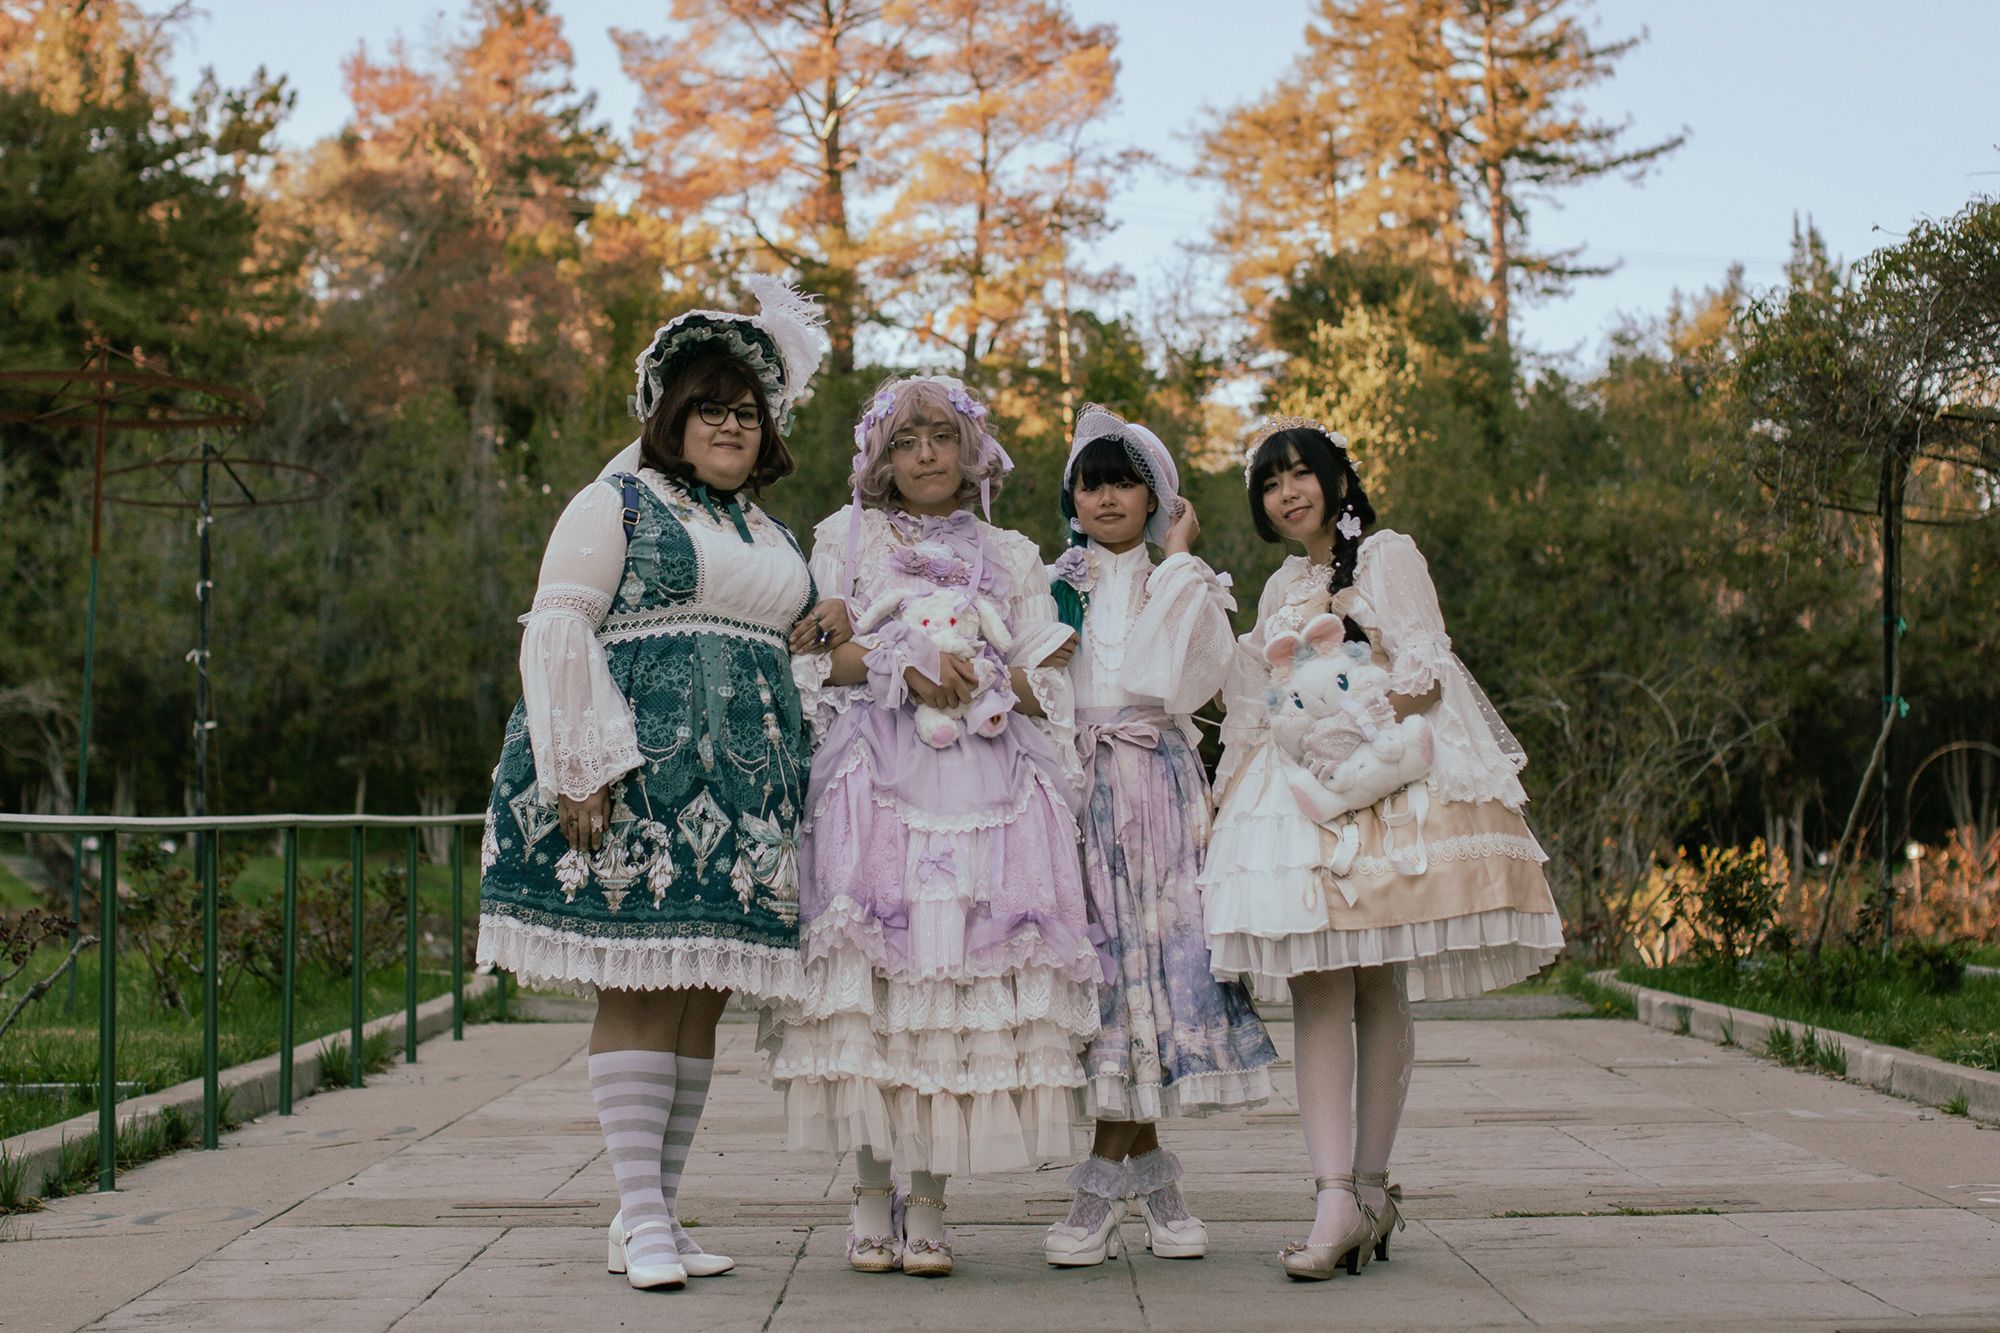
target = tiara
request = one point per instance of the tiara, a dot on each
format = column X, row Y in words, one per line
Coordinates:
column 1277, row 425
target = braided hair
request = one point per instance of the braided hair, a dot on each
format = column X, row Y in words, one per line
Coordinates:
column 1339, row 484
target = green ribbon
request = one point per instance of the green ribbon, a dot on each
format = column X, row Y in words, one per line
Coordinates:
column 701, row 492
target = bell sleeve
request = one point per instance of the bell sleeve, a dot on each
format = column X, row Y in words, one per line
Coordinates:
column 1478, row 758
column 1182, row 644
column 579, row 722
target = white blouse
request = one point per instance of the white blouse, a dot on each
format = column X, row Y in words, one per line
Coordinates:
column 579, row 723
column 1478, row 758
column 1154, row 634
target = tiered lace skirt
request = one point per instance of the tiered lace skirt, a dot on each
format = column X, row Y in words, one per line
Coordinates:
column 950, row 978
column 1476, row 917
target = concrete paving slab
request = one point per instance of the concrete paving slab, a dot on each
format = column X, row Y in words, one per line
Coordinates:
column 471, row 1192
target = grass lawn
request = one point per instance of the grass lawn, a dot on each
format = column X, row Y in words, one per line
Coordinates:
column 1855, row 994
column 158, row 1047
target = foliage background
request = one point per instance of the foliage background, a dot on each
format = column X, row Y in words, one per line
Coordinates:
column 440, row 305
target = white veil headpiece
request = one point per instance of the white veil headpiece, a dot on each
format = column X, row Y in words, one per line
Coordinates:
column 1149, row 456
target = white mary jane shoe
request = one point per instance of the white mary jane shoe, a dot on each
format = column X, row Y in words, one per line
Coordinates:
column 1185, row 1239
column 698, row 1264
column 1066, row 1246
column 651, row 1275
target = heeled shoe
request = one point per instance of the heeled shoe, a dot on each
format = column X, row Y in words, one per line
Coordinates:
column 1392, row 1212
column 1066, row 1246
column 1307, row 1262
column 1186, row 1238
column 646, row 1274
column 923, row 1257
column 874, row 1254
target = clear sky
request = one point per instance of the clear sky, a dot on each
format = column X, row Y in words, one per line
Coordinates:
column 1863, row 114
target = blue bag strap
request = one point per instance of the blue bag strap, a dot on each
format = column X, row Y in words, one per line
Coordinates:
column 628, row 485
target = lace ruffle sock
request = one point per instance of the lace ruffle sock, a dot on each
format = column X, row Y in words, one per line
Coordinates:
column 1172, row 1232
column 1089, row 1234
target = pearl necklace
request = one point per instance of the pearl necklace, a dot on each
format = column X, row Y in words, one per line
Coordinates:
column 1109, row 652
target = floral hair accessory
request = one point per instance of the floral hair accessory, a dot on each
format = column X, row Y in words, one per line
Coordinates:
column 1277, row 425
column 877, row 412
column 1349, row 525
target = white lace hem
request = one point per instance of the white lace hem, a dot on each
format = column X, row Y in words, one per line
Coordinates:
column 1115, row 1097
column 1458, row 956
column 551, row 959
column 947, row 1135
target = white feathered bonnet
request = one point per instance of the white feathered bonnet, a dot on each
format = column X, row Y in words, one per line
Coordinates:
column 782, row 344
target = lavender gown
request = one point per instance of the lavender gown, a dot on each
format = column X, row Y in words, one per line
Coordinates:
column 950, row 977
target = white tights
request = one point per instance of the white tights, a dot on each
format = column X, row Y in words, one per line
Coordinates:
column 1354, row 1048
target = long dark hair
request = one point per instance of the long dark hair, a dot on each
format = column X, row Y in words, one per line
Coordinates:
column 1104, row 461
column 711, row 373
column 1339, row 483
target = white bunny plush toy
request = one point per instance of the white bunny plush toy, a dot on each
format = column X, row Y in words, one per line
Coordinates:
column 967, row 627
column 1328, row 711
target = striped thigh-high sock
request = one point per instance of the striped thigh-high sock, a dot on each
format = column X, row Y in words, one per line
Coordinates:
column 691, row 1078
column 634, row 1091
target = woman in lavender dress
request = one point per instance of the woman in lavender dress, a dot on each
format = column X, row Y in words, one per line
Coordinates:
column 950, row 977
column 1156, row 645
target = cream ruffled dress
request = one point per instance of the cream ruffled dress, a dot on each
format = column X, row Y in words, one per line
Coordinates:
column 1450, row 882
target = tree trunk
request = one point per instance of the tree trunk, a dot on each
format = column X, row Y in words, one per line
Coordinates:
column 1498, row 275
column 1895, row 473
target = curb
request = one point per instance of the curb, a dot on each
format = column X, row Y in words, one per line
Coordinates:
column 248, row 1090
column 1890, row 1069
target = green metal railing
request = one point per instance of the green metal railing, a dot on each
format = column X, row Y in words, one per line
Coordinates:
column 208, row 833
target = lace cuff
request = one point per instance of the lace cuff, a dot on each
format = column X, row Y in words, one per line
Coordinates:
column 820, row 702
column 579, row 724
column 1421, row 660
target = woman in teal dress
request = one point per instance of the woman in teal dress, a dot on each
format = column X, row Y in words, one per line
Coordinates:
column 642, row 838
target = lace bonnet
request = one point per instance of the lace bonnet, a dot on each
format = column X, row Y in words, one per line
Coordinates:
column 1149, row 456
column 782, row 345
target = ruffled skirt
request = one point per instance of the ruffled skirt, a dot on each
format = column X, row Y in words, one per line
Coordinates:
column 950, row 977
column 1172, row 1039
column 1476, row 917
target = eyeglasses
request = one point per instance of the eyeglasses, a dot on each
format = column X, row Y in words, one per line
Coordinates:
column 942, row 441
column 748, row 415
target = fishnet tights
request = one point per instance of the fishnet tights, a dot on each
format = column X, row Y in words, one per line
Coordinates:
column 1353, row 1053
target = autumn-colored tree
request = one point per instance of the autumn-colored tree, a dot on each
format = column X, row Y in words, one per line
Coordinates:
column 1430, row 123
column 1354, row 144
column 1003, row 183
column 773, row 118
column 1524, row 134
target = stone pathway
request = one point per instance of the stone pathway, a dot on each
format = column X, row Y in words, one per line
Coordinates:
column 1569, row 1173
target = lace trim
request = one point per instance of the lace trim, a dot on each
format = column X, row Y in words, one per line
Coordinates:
column 569, row 599
column 1016, row 987
column 1465, row 847
column 549, row 958
column 1190, row 1097
column 587, row 752
column 626, row 626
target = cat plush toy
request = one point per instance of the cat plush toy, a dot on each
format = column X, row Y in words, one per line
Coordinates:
column 968, row 627
column 1328, row 712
